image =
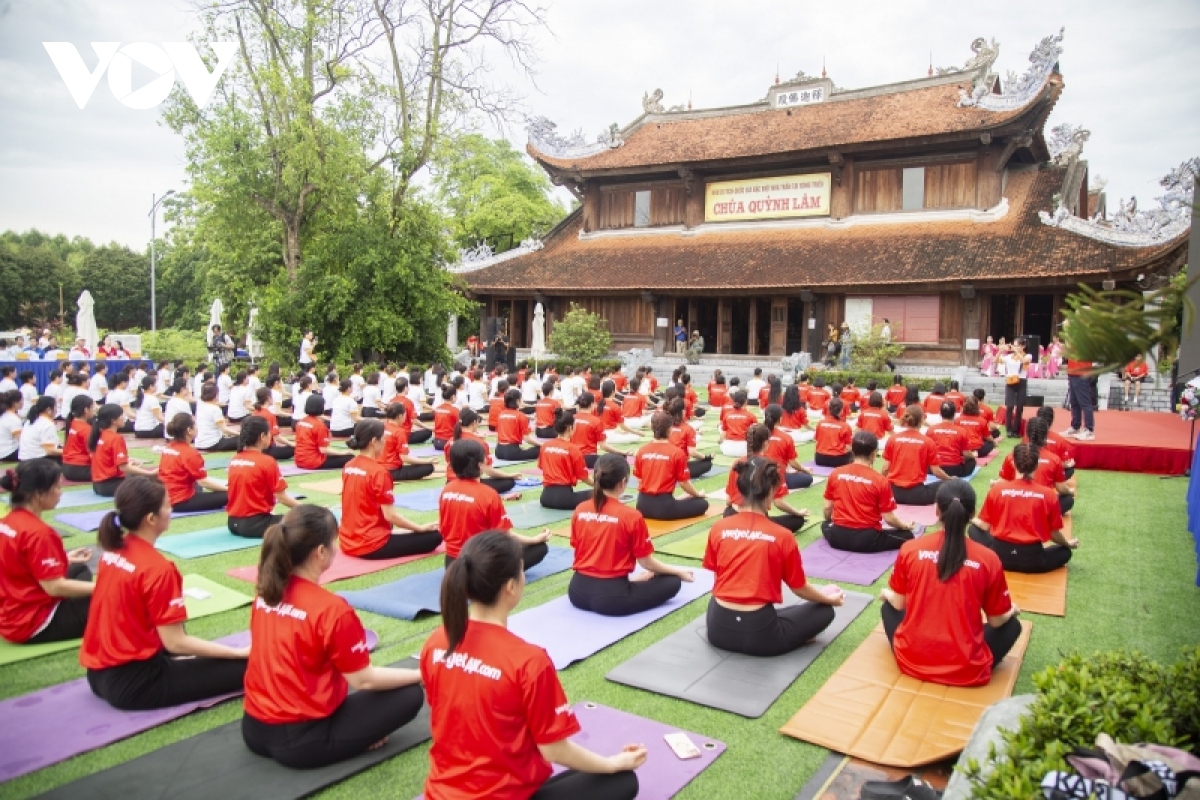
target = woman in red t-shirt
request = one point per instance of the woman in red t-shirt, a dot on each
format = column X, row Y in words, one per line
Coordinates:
column 445, row 417
column 955, row 455
column 753, row 558
column 685, row 438
column 77, row 459
column 312, row 636
column 912, row 397
column 635, row 408
column 110, row 455
column 934, row 599
column 911, row 456
column 795, row 416
column 282, row 447
column 610, row 412
column 833, row 437
column 781, row 449
column 736, row 419
column 932, row 405
column 181, row 470
column 255, row 483
column 610, row 540
column 312, row 439
column 589, row 431
column 135, row 649
column 512, row 430
column 414, row 420
column 544, row 411
column 467, row 508
column 896, row 394
column 369, row 514
column 977, row 428
column 1021, row 522
column 858, row 501
column 467, row 428
column 874, row 419
column 562, row 465
column 659, row 467
column 758, row 440
column 498, row 726
column 44, row 591
column 819, row 396
column 718, row 392
column 400, row 463
column 1050, row 472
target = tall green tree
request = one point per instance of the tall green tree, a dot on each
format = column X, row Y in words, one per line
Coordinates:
column 119, row 281
column 33, row 269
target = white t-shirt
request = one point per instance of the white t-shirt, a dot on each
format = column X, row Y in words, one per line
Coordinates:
column 356, row 386
column 118, row 397
column 69, row 393
column 224, row 387
column 197, row 384
column 571, row 388
column 138, row 375
column 98, row 388
column 237, row 403
column 531, row 389
column 56, row 390
column 176, row 406
column 10, row 433
column 754, row 386
column 387, row 389
column 253, row 383
column 162, row 381
column 29, row 396
column 145, row 421
column 8, row 385
column 339, row 413
column 306, row 349
column 35, row 434
column 430, row 382
column 371, row 397
column 330, row 392
column 207, row 432
column 276, row 401
column 477, row 395
column 417, row 395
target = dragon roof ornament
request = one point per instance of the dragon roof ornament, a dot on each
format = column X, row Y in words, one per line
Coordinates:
column 1130, row 227
column 1017, row 91
column 1066, row 143
column 481, row 256
column 543, row 137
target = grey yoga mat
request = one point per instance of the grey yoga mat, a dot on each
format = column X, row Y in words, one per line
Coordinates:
column 686, row 666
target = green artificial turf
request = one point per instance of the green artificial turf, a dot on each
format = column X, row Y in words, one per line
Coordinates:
column 1131, row 584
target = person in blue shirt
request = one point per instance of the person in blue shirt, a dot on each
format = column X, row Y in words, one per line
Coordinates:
column 681, row 337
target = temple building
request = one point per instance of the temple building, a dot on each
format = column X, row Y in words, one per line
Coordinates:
column 941, row 204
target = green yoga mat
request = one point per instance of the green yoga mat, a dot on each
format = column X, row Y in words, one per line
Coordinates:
column 220, row 599
column 532, row 515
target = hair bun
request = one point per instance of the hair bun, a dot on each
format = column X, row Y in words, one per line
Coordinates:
column 352, row 442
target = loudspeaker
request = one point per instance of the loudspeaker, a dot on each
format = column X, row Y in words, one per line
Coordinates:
column 492, row 328
column 1033, row 346
column 1035, row 400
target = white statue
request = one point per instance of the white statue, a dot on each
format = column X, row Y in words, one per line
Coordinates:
column 254, row 345
column 85, row 321
column 652, row 103
column 538, row 347
column 214, row 318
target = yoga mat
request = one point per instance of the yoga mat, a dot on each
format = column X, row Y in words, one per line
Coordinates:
column 408, row 597
column 983, row 461
column 76, row 499
column 208, row 542
column 869, row 710
column 333, row 486
column 828, row 563
column 424, row 499
column 90, row 520
column 47, row 726
column 1039, row 594
column 500, row 463
column 217, row 763
column 691, row 547
column 291, row 470
column 817, row 469
column 686, row 666
column 217, row 460
column 532, row 515
column 661, row 527
column 569, row 634
column 606, row 730
column 343, row 567
column 922, row 515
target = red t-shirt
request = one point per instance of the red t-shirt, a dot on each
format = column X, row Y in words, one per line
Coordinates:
column 467, row 508
column 803, row 390
column 75, row 450
column 619, row 381
column 833, row 437
column 752, row 558
column 909, row 455
column 254, row 479
column 976, row 429
column 137, row 591
column 608, row 542
column 849, row 395
column 1136, row 370
column 612, row 416
column 1056, row 444
column 544, row 411
column 735, row 422
column 513, row 427
column 875, row 420
column 366, row 488
column 895, row 395
column 718, row 395
column 395, row 445
column 487, row 453
column 940, row 638
column 271, row 419
column 30, row 551
column 445, row 417
column 794, row 420
column 180, row 466
column 763, row 394
column 634, row 406
column 490, row 708
column 818, row 398
column 495, row 406
column 860, row 495
column 311, row 436
column 659, row 466
column 589, row 432
column 684, row 437
column 735, row 495
column 561, row 463
column 986, row 412
column 410, row 414
column 958, row 398
column 781, row 449
column 302, row 650
column 950, row 441
column 1049, row 470
column 933, row 405
column 111, row 453
column 1021, row 512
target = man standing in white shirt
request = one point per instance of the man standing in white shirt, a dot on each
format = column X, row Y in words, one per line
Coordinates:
column 754, row 386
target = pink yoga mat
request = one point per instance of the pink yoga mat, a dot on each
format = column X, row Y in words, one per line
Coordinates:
column 922, row 515
column 343, row 567
column 863, row 569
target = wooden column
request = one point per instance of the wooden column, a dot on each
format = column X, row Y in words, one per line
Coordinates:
column 988, row 178
column 724, row 326
column 694, row 208
column 752, row 333
column 591, row 208
column 779, row 323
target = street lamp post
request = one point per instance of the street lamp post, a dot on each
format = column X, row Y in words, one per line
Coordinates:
column 154, row 203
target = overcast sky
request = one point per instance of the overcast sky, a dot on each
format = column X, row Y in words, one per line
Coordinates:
column 1130, row 70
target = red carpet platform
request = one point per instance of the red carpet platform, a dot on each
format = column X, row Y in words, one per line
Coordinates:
column 1130, row 441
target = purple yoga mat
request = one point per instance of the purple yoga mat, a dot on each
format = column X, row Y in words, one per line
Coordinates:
column 569, row 634
column 58, row 722
column 291, row 470
column 90, row 520
column 817, row 469
column 863, row 569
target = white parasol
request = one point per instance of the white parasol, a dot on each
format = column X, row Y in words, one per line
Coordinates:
column 214, row 318
column 85, row 321
column 254, row 345
column 538, row 349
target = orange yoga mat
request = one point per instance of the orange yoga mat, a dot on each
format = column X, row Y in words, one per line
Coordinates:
column 325, row 487
column 660, row 527
column 869, row 710
column 1039, row 594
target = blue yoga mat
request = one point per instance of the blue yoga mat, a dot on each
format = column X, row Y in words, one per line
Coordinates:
column 421, row 500
column 76, row 498
column 409, row 597
column 90, row 520
column 208, row 542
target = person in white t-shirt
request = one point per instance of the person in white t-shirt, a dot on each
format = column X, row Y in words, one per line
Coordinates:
column 241, row 399
column 164, row 377
column 331, row 390
column 203, row 376
column 307, row 352
column 28, row 390
column 8, row 382
column 372, row 397
column 98, row 385
column 148, row 421
column 343, row 411
column 212, row 434
column 10, row 425
column 571, row 387
column 224, row 385
column 357, row 382
column 253, row 382
column 477, row 392
column 55, row 389
column 180, row 402
column 39, row 435
column 75, row 386
column 387, row 386
column 118, row 395
column 531, row 389
column 754, row 386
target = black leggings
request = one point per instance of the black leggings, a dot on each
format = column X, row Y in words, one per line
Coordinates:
column 154, row 433
column 792, row 522
column 698, row 412
column 1066, row 502
column 767, row 631
column 107, row 488
column 70, row 618
column 411, row 472
column 1029, row 558
column 564, row 498
column 253, row 527
column 798, row 480
column 341, row 434
column 999, row 640
column 825, row 460
column 336, row 461
column 863, row 540
column 501, row 485
column 1014, row 406
column 699, row 466
column 668, row 507
column 620, row 597
column 545, row 433
column 77, row 473
column 420, row 436
column 362, row 719
column 280, row 452
column 400, row 545
column 438, row 444
column 202, row 501
column 514, row 452
column 572, row 785
column 984, row 450
column 591, row 459
column 923, row 494
column 162, row 681
column 531, row 555
column 228, row 444
column 959, row 470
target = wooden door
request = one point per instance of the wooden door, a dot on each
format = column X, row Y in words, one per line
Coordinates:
column 779, row 320
column 724, row 326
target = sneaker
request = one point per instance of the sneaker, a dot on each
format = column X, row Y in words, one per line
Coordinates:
column 1070, row 432
column 1085, row 436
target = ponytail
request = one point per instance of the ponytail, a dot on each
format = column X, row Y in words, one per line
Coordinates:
column 137, row 498
column 262, row 398
column 253, row 429
column 771, row 416
column 289, row 544
column 1025, row 459
column 365, row 432
column 105, row 417
column 179, row 425
column 956, row 506
column 564, row 420
column 512, row 398
column 757, row 479
column 757, row 437
column 147, row 382
column 487, row 562
column 397, row 410
column 914, row 415
column 40, row 406
column 466, row 418
column 610, row 470
column 79, row 406
column 660, row 425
